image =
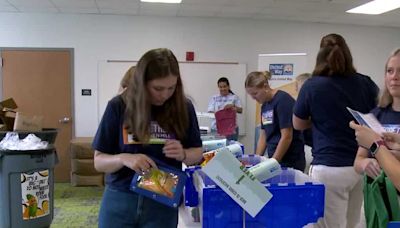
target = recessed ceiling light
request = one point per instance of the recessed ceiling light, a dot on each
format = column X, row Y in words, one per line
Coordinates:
column 162, row 1
column 376, row 7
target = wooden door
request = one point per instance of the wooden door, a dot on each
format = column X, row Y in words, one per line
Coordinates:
column 40, row 83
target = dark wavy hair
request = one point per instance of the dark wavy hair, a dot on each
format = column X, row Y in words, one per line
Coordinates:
column 223, row 79
column 172, row 116
column 334, row 57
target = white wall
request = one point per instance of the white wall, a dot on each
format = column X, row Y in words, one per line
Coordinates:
column 96, row 37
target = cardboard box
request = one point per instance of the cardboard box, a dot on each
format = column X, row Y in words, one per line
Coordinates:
column 82, row 164
column 83, row 167
column 81, row 148
column 25, row 122
column 7, row 114
column 82, row 180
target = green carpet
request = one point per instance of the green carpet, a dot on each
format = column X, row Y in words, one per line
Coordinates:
column 76, row 206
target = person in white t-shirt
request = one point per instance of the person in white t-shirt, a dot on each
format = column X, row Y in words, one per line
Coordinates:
column 226, row 99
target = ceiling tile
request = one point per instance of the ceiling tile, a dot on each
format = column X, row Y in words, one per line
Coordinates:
column 78, row 10
column 75, row 3
column 200, row 7
column 235, row 15
column 148, row 12
column 124, row 11
column 158, row 6
column 31, row 3
column 5, row 8
column 4, row 3
column 39, row 9
column 243, row 10
column 158, row 9
column 196, row 13
column 118, row 4
column 329, row 11
column 253, row 3
column 207, row 2
column 122, row 7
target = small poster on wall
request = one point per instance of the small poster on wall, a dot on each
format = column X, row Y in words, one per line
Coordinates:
column 284, row 67
column 35, row 194
column 281, row 71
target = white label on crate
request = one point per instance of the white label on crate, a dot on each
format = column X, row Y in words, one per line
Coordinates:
column 234, row 179
column 35, row 191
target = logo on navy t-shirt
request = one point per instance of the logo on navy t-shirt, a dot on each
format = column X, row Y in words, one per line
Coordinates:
column 157, row 135
column 393, row 128
column 267, row 117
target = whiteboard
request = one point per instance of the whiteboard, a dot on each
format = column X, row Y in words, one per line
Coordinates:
column 199, row 81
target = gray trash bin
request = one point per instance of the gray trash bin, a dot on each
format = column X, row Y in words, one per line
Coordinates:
column 27, row 186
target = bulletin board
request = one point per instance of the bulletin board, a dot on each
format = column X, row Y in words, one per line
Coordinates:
column 199, row 80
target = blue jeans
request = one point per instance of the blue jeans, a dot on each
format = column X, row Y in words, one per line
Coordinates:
column 128, row 209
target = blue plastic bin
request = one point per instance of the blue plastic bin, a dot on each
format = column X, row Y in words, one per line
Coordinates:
column 291, row 206
column 393, row 225
column 190, row 193
column 295, row 202
column 220, row 210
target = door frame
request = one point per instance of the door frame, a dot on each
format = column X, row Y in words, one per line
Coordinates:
column 72, row 75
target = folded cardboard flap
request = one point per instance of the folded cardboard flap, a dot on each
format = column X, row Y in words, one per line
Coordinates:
column 25, row 122
column 8, row 103
column 7, row 114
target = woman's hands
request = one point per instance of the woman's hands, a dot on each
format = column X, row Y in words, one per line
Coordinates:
column 365, row 136
column 370, row 167
column 230, row 106
column 392, row 140
column 173, row 149
column 140, row 163
column 233, row 107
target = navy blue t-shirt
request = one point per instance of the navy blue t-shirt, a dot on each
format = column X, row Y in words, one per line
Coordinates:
column 276, row 114
column 389, row 118
column 325, row 99
column 112, row 138
column 307, row 137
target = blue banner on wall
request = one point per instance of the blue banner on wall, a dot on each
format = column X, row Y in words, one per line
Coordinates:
column 281, row 69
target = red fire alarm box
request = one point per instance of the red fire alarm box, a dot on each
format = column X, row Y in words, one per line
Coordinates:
column 189, row 56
